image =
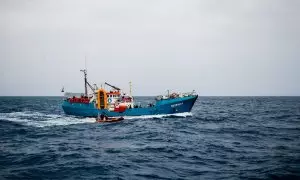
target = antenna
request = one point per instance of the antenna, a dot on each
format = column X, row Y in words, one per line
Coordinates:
column 130, row 88
column 85, row 62
column 95, row 86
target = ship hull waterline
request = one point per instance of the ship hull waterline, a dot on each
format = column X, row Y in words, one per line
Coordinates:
column 169, row 106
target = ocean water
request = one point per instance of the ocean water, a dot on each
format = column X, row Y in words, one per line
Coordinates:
column 222, row 138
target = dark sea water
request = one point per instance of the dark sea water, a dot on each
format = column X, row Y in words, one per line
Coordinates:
column 223, row 138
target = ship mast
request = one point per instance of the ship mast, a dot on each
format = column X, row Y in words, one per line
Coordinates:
column 85, row 81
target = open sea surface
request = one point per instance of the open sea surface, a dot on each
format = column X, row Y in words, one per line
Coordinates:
column 222, row 138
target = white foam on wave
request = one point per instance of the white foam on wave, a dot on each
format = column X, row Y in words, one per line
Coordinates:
column 38, row 119
column 44, row 119
column 160, row 116
column 31, row 114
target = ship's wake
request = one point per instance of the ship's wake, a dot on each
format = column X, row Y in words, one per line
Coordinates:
column 38, row 119
column 161, row 116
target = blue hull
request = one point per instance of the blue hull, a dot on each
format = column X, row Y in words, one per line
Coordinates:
column 168, row 106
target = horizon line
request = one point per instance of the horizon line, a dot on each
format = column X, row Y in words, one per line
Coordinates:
column 156, row 95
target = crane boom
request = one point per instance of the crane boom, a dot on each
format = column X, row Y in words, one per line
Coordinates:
column 116, row 88
column 93, row 89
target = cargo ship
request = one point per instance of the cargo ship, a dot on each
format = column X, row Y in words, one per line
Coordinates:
column 115, row 103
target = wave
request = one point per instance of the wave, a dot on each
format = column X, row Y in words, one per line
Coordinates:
column 161, row 116
column 38, row 119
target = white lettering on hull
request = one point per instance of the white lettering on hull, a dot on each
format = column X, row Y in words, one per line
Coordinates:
column 176, row 105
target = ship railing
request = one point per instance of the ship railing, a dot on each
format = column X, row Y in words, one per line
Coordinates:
column 189, row 93
column 175, row 95
column 70, row 95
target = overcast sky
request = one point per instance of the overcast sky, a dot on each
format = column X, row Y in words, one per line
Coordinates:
column 216, row 47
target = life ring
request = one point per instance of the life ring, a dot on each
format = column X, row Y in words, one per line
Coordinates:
column 109, row 100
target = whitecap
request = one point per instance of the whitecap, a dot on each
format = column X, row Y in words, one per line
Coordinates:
column 29, row 119
column 160, row 116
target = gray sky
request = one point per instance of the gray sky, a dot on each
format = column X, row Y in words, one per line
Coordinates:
column 232, row 47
